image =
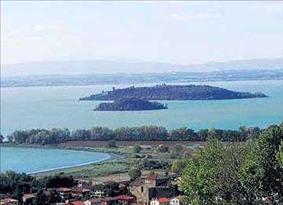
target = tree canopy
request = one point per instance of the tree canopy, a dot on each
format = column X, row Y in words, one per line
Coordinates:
column 172, row 92
column 242, row 173
column 147, row 133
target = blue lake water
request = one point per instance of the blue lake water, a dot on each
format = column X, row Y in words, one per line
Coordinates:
column 32, row 160
column 48, row 107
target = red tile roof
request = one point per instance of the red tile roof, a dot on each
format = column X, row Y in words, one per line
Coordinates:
column 95, row 200
column 151, row 177
column 106, row 199
column 77, row 203
column 28, row 196
column 124, row 198
column 64, row 189
column 80, row 190
column 163, row 200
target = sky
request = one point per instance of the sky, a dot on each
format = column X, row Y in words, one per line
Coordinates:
column 174, row 32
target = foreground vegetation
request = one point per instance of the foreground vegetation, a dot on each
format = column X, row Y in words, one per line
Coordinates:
column 238, row 173
column 145, row 133
column 249, row 172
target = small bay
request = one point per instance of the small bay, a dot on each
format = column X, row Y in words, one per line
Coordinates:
column 32, row 160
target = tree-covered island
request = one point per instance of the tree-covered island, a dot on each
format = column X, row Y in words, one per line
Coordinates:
column 130, row 104
column 172, row 92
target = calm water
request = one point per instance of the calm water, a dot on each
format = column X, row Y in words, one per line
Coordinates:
column 48, row 107
column 34, row 160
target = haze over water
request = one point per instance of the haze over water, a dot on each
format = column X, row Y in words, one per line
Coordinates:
column 50, row 107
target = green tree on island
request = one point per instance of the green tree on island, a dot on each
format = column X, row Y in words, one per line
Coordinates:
column 1, row 138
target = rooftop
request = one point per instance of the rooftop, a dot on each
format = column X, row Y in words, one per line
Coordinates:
column 64, row 189
column 163, row 200
column 8, row 200
column 28, row 196
column 124, row 198
column 77, row 203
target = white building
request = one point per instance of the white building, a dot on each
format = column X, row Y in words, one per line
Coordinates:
column 174, row 201
column 154, row 202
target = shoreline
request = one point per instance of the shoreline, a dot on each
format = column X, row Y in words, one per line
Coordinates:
column 112, row 157
column 130, row 83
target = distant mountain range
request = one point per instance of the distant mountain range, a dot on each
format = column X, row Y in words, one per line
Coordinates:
column 122, row 78
column 133, row 67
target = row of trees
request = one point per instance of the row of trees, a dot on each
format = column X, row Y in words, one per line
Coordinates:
column 237, row 173
column 149, row 133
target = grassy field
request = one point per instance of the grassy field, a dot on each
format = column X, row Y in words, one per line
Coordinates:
column 117, row 170
column 122, row 157
column 98, row 144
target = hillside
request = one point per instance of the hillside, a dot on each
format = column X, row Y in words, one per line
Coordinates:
column 122, row 78
column 111, row 66
column 173, row 92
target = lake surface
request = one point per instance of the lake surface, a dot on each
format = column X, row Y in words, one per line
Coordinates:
column 49, row 107
column 32, row 160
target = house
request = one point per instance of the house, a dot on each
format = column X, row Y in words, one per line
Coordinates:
column 9, row 201
column 152, row 187
column 165, row 201
column 80, row 192
column 63, row 190
column 154, row 202
column 98, row 193
column 95, row 201
column 92, row 202
column 84, row 183
column 65, row 193
column 121, row 199
column 124, row 199
column 28, row 199
column 77, row 203
column 174, row 201
column 160, row 201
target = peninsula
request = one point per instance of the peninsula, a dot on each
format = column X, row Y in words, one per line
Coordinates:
column 130, row 104
column 172, row 92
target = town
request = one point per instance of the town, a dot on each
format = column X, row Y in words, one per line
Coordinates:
column 161, row 174
column 152, row 189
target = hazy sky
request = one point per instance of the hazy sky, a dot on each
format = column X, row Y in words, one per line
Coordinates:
column 177, row 32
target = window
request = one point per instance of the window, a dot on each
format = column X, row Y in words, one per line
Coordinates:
column 142, row 189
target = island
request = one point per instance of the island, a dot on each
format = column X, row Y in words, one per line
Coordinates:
column 130, row 104
column 172, row 92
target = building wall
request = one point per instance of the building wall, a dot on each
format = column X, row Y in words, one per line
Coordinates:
column 174, row 201
column 154, row 202
column 141, row 192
